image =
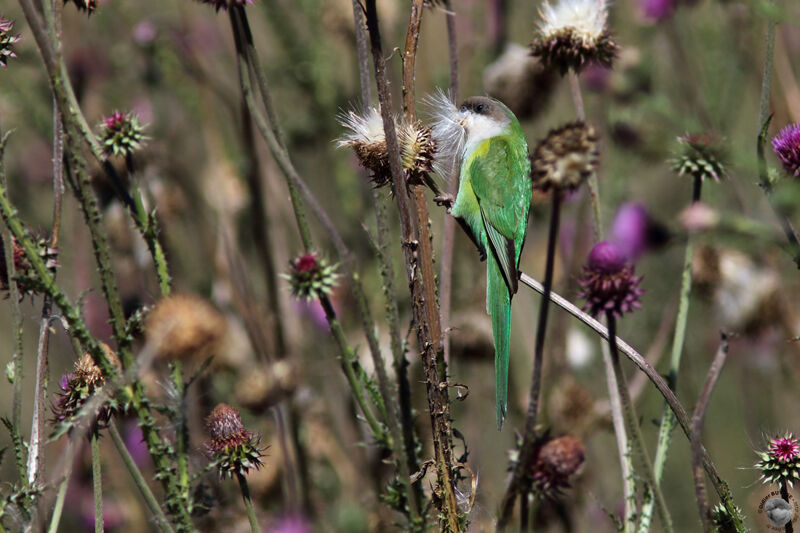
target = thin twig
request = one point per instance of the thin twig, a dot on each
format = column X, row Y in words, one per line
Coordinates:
column 97, row 482
column 58, row 507
column 593, row 184
column 697, row 429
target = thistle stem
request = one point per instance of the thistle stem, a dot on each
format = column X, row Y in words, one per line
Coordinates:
column 251, row 513
column 518, row 484
column 667, row 417
column 594, row 186
column 58, row 507
column 788, row 527
column 636, row 439
column 97, row 482
column 138, row 479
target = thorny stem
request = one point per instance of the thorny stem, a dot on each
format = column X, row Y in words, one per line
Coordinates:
column 449, row 229
column 97, row 482
column 720, row 486
column 636, row 440
column 138, row 479
column 436, row 384
column 594, row 186
column 181, row 434
column 667, row 417
column 697, row 429
column 518, row 483
column 251, row 512
column 763, row 123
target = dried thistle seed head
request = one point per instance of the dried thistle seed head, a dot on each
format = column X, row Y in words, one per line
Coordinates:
column 261, row 388
column 700, row 157
column 7, row 41
column 565, row 158
column 573, row 33
column 417, row 150
column 367, row 139
column 121, row 134
column 558, row 460
column 608, row 284
column 226, row 4
column 780, row 463
column 185, row 326
column 235, row 449
column 786, row 145
column 310, row 277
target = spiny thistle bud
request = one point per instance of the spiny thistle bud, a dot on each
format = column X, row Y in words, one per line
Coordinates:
column 786, row 145
column 121, row 134
column 7, row 40
column 565, row 158
column 84, row 5
column 608, row 283
column 780, row 463
column 226, row 4
column 573, row 33
column 26, row 278
column 368, row 140
column 701, row 156
column 235, row 449
column 558, row 460
column 185, row 326
column 722, row 520
column 310, row 277
column 77, row 387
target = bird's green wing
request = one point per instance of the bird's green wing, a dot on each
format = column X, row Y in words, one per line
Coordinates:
column 499, row 174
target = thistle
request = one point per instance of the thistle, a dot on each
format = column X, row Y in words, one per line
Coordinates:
column 226, row 4
column 368, row 140
column 559, row 460
column 786, row 145
column 780, row 463
column 311, row 277
column 26, row 278
column 7, row 40
column 235, row 449
column 700, row 157
column 185, row 326
column 608, row 283
column 573, row 33
column 77, row 388
column 722, row 520
column 121, row 134
column 565, row 158
column 84, row 5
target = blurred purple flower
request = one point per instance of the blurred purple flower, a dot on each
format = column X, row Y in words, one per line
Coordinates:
column 786, row 145
column 314, row 312
column 635, row 231
column 596, row 77
column 655, row 10
column 134, row 441
column 291, row 524
column 145, row 33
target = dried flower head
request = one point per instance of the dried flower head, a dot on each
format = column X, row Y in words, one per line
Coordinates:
column 310, row 277
column 226, row 4
column 786, row 145
column 780, row 463
column 558, row 460
column 26, row 278
column 235, row 449
column 262, row 387
column 7, row 40
column 573, row 33
column 185, row 326
column 84, row 5
column 608, row 283
column 121, row 134
column 565, row 158
column 77, row 387
column 368, row 140
column 700, row 157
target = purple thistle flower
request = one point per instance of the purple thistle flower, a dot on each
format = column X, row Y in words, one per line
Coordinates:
column 785, row 449
column 235, row 448
column 656, row 10
column 608, row 283
column 780, row 463
column 786, row 145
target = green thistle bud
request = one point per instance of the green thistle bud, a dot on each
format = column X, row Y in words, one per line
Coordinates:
column 310, row 277
column 121, row 134
column 700, row 157
column 7, row 40
column 722, row 519
column 235, row 449
column 780, row 463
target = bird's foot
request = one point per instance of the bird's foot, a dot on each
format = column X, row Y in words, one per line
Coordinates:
column 445, row 200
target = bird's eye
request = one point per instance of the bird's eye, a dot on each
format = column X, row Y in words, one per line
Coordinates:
column 480, row 108
column 463, row 109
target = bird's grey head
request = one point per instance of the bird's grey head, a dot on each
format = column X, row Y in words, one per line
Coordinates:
column 483, row 118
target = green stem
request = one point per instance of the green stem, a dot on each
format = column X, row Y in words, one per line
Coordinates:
column 251, row 513
column 62, row 490
column 181, row 434
column 138, row 479
column 636, row 438
column 97, row 482
column 668, row 420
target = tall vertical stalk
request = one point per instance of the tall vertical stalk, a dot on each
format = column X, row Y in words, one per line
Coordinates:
column 97, row 482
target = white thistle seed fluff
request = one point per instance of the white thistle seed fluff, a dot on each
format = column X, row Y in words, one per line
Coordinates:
column 366, row 128
column 586, row 18
column 448, row 132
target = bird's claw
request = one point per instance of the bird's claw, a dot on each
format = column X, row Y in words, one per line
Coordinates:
column 445, row 200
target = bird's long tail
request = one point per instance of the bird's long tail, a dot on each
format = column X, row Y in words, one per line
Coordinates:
column 498, row 304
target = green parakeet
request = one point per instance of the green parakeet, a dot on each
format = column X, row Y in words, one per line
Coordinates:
column 483, row 138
